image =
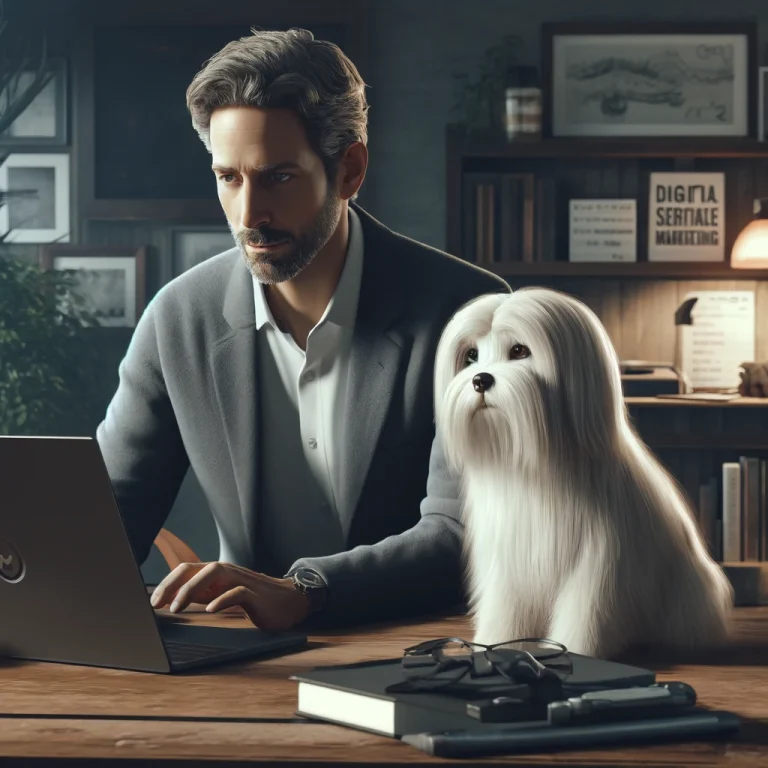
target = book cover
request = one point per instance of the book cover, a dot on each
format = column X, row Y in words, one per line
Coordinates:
column 356, row 695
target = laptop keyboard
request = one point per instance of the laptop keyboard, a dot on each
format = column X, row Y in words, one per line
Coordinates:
column 179, row 653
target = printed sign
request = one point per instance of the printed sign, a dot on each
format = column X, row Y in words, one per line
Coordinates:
column 603, row 230
column 686, row 217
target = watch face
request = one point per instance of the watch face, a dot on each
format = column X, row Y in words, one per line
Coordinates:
column 309, row 578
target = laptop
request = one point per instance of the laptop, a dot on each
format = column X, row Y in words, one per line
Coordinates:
column 71, row 590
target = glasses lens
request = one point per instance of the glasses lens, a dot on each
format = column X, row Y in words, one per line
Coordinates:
column 446, row 663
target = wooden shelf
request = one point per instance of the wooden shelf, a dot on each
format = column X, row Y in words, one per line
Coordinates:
column 704, row 443
column 686, row 270
column 663, row 402
column 579, row 148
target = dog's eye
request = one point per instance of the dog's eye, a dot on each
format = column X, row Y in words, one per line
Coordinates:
column 518, row 352
column 471, row 357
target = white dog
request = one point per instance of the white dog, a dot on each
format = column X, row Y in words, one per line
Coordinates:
column 573, row 530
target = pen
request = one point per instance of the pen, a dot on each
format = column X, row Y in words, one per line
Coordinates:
column 542, row 736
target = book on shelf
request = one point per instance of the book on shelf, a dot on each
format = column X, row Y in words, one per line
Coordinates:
column 508, row 217
column 736, row 505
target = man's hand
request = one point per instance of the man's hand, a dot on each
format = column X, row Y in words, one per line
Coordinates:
column 271, row 604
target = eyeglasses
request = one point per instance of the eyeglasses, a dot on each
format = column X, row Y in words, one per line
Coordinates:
column 436, row 664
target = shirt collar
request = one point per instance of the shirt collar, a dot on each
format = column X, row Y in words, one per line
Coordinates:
column 342, row 308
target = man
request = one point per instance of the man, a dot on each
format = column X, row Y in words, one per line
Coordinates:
column 294, row 372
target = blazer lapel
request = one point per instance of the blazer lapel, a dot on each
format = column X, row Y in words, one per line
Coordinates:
column 233, row 368
column 376, row 357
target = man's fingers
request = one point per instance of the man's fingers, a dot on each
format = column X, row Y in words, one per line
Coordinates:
column 240, row 596
column 167, row 588
column 208, row 583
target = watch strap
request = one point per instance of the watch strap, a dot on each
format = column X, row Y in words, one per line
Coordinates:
column 311, row 584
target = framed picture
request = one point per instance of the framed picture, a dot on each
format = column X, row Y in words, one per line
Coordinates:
column 652, row 79
column 112, row 280
column 44, row 121
column 762, row 104
column 37, row 209
column 139, row 68
column 193, row 245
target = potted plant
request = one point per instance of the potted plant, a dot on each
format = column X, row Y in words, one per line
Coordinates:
column 47, row 365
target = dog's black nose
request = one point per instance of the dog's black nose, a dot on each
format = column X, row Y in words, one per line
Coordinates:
column 482, row 382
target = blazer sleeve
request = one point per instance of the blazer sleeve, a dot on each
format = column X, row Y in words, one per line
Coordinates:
column 140, row 441
column 417, row 571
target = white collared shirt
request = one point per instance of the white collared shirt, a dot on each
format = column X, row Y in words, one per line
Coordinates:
column 302, row 396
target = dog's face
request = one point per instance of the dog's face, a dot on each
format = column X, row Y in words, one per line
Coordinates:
column 521, row 376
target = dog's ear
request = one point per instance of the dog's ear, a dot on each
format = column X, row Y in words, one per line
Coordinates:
column 447, row 358
column 590, row 378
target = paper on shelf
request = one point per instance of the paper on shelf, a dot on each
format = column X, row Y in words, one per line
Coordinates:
column 720, row 338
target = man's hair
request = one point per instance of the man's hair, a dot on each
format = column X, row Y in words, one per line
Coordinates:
column 286, row 70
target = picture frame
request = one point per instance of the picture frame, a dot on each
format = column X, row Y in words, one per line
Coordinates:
column 113, row 279
column 45, row 122
column 635, row 80
column 191, row 246
column 762, row 104
column 41, row 211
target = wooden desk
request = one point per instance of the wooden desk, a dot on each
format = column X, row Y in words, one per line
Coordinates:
column 50, row 712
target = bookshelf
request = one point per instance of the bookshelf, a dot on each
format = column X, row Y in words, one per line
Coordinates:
column 653, row 270
column 605, row 168
column 693, row 439
column 636, row 300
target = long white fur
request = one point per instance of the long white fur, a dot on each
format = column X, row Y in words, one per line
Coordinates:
column 573, row 530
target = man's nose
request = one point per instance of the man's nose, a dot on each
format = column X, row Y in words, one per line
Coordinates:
column 254, row 211
column 482, row 382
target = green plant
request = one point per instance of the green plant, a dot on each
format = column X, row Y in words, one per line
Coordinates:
column 480, row 101
column 47, row 365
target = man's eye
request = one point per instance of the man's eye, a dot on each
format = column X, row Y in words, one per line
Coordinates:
column 471, row 357
column 518, row 352
column 227, row 177
column 281, row 177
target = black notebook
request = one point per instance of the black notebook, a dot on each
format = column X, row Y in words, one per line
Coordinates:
column 356, row 695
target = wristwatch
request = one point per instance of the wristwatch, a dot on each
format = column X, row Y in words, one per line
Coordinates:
column 312, row 585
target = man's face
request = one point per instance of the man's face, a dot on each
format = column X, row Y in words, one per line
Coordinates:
column 273, row 189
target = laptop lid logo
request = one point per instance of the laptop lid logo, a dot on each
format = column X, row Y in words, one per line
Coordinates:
column 11, row 564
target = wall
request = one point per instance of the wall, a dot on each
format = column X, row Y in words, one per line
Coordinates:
column 413, row 51
column 414, row 47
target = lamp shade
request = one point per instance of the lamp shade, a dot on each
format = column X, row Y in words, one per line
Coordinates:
column 750, row 251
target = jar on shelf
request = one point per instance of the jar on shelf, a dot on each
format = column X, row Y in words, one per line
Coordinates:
column 522, row 114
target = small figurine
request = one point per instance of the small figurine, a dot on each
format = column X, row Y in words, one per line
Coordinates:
column 754, row 380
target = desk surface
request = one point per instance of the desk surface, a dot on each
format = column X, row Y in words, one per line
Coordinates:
column 56, row 711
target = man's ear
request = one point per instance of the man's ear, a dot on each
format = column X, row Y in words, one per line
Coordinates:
column 351, row 170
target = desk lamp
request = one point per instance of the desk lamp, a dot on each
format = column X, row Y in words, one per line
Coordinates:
column 750, row 251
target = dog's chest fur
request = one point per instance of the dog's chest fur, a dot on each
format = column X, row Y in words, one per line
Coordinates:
column 520, row 537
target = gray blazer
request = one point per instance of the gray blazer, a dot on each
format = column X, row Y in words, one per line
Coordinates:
column 187, row 396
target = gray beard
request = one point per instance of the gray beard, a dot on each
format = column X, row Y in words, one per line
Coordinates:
column 268, row 269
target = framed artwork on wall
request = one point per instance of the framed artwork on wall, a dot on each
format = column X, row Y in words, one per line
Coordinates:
column 650, row 79
column 135, row 62
column 111, row 279
column 45, row 121
column 193, row 245
column 37, row 209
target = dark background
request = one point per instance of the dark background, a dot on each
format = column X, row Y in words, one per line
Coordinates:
column 135, row 154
